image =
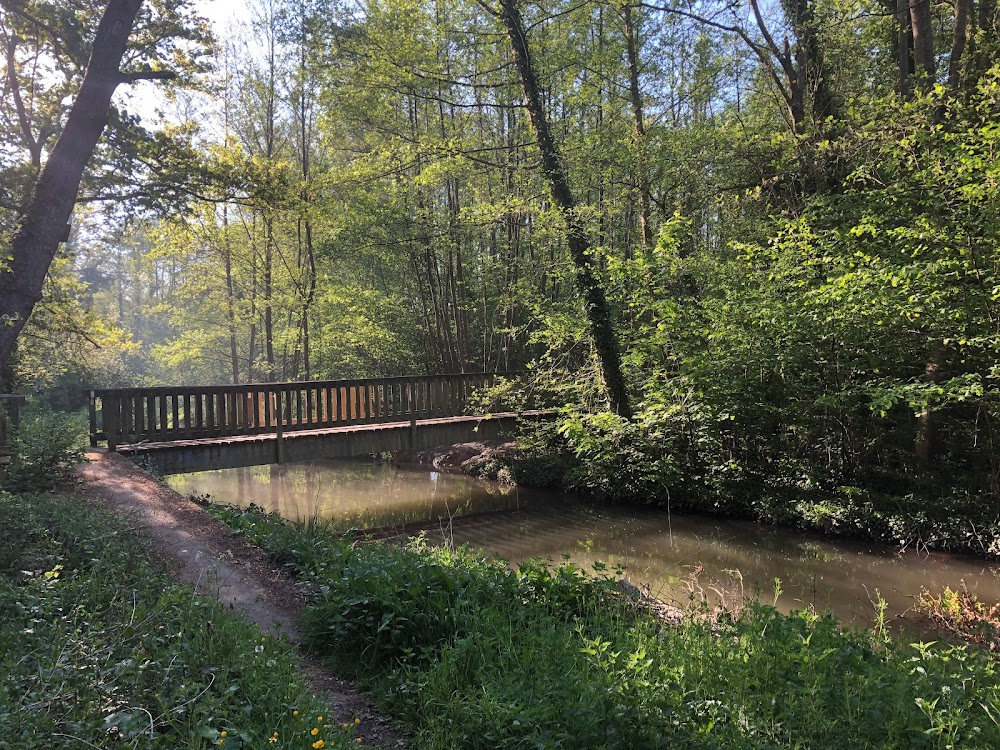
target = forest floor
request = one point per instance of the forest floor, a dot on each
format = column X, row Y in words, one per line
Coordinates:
column 200, row 551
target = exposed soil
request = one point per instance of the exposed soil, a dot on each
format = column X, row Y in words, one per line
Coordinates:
column 199, row 550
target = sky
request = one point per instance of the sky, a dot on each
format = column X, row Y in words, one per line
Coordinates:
column 222, row 13
column 145, row 98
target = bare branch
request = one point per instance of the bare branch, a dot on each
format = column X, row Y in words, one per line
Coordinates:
column 148, row 75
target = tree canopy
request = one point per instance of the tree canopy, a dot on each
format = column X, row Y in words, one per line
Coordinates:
column 785, row 213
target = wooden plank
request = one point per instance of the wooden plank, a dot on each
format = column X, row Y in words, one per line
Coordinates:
column 150, row 431
column 245, row 428
column 254, row 426
column 91, row 418
column 211, row 428
column 175, row 413
column 111, row 420
column 199, row 414
column 161, row 417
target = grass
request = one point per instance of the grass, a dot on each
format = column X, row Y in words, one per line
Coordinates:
column 99, row 649
column 475, row 655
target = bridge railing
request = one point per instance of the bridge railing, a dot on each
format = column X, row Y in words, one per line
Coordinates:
column 160, row 414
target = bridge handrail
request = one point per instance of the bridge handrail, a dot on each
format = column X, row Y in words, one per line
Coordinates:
column 166, row 413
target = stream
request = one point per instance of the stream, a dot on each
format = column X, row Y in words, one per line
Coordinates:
column 676, row 556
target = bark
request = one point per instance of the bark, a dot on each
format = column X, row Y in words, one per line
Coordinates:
column 904, row 45
column 639, row 127
column 923, row 42
column 595, row 303
column 268, row 291
column 234, row 354
column 963, row 9
column 44, row 224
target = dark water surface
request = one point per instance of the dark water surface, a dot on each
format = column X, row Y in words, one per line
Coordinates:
column 652, row 546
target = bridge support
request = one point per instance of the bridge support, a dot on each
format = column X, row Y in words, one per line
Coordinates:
column 180, row 457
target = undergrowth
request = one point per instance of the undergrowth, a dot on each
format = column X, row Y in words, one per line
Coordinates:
column 476, row 655
column 98, row 649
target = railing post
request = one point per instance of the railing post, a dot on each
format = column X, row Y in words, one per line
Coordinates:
column 92, row 414
column 279, row 429
column 410, row 407
column 110, row 417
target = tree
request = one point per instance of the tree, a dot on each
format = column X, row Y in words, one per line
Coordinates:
column 42, row 220
column 595, row 302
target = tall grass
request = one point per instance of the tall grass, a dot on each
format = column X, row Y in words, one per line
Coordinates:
column 98, row 649
column 476, row 655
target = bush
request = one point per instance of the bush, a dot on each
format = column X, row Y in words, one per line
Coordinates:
column 45, row 450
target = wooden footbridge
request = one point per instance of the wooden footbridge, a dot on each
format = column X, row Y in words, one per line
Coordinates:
column 192, row 429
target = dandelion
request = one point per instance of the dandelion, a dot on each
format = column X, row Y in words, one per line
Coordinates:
column 357, row 720
column 345, row 725
column 314, row 731
column 318, row 744
column 319, row 718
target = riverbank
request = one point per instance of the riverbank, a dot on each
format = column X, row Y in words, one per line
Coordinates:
column 954, row 523
column 475, row 655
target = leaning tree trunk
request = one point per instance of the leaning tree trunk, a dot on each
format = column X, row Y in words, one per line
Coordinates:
column 45, row 221
column 595, row 303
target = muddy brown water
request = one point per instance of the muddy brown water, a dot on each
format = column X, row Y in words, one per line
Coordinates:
column 652, row 547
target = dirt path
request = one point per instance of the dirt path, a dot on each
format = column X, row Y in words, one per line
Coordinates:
column 203, row 552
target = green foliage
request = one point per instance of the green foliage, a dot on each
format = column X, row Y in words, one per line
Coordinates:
column 477, row 655
column 45, row 450
column 98, row 649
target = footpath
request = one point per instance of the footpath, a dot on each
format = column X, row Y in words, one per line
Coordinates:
column 200, row 551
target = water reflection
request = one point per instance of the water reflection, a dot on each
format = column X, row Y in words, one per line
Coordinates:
column 651, row 547
column 352, row 494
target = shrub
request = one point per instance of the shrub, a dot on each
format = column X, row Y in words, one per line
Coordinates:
column 45, row 450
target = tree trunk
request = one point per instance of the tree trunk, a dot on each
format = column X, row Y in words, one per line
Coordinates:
column 904, row 45
column 45, row 222
column 595, row 304
column 639, row 127
column 234, row 354
column 963, row 9
column 923, row 42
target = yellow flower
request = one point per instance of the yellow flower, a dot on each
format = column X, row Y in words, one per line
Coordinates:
column 319, row 718
column 295, row 713
column 314, row 731
column 345, row 725
column 358, row 740
column 318, row 744
column 357, row 721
